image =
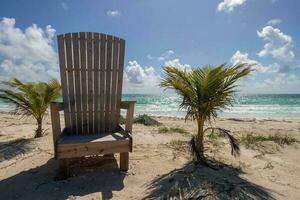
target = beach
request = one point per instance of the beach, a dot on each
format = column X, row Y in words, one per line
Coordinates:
column 159, row 165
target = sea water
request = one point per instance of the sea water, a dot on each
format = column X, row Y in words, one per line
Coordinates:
column 266, row 106
column 275, row 106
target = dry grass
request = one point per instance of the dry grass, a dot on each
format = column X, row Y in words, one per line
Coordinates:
column 146, row 120
column 282, row 140
column 179, row 145
column 165, row 129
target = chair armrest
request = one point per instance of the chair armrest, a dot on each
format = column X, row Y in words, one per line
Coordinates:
column 129, row 106
column 55, row 107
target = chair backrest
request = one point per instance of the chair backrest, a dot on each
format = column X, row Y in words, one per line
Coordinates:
column 91, row 69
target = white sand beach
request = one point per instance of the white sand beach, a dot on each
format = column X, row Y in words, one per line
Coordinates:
column 159, row 167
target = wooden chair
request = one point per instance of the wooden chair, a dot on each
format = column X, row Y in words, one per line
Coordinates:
column 91, row 69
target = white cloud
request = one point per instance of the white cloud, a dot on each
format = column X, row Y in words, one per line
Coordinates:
column 176, row 63
column 240, row 57
column 64, row 5
column 113, row 13
column 274, row 22
column 166, row 55
column 273, row 78
column 288, row 69
column 273, row 83
column 138, row 79
column 284, row 69
column 27, row 54
column 278, row 44
column 135, row 73
column 163, row 57
column 229, row 5
column 281, row 83
column 145, row 80
column 50, row 32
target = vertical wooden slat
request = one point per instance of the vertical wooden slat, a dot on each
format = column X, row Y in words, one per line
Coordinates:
column 96, row 81
column 69, row 66
column 75, row 37
column 120, row 76
column 90, row 82
column 63, row 75
column 83, row 75
column 108, row 82
column 102, row 82
column 114, row 84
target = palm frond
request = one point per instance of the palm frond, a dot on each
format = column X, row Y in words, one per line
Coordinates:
column 204, row 91
column 234, row 144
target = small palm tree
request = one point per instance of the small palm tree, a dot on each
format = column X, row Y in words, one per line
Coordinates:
column 204, row 92
column 31, row 98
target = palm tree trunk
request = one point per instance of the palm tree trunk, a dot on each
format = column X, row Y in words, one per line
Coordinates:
column 200, row 135
column 39, row 130
column 196, row 143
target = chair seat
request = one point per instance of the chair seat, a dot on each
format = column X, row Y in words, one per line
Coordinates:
column 84, row 145
column 71, row 139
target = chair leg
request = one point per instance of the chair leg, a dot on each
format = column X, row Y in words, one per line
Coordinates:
column 124, row 161
column 63, row 171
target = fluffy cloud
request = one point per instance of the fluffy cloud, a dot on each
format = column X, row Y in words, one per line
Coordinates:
column 273, row 78
column 281, row 83
column 284, row 69
column 113, row 13
column 27, row 55
column 240, row 57
column 163, row 57
column 229, row 5
column 136, row 74
column 289, row 69
column 278, row 44
column 166, row 55
column 50, row 32
column 142, row 79
column 274, row 22
column 176, row 63
column 138, row 79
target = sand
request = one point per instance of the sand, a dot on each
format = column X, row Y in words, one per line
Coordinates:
column 157, row 168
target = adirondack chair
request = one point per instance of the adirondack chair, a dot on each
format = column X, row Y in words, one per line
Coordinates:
column 91, row 70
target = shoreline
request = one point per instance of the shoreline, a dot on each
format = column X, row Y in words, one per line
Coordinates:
column 241, row 119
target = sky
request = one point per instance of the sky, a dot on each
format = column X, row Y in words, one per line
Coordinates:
column 184, row 34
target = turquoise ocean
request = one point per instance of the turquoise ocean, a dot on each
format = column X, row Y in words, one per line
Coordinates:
column 267, row 106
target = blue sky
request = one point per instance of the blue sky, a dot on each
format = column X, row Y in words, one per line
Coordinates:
column 181, row 33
